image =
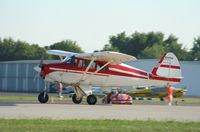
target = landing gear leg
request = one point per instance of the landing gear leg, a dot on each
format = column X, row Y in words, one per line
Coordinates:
column 43, row 97
column 77, row 97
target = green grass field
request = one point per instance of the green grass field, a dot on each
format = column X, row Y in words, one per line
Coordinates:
column 48, row 125
column 17, row 97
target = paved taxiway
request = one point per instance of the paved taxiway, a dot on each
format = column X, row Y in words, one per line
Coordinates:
column 14, row 110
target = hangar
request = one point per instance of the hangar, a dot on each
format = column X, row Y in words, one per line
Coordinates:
column 19, row 76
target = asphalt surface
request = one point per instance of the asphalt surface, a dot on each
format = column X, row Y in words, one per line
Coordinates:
column 34, row 110
column 65, row 109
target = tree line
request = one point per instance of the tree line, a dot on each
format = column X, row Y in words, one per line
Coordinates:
column 20, row 50
column 152, row 45
column 141, row 45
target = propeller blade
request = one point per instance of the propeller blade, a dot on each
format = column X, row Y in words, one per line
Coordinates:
column 37, row 69
column 41, row 62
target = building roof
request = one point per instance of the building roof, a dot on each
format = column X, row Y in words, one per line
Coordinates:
column 28, row 61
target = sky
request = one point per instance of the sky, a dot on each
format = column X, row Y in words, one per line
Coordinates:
column 91, row 22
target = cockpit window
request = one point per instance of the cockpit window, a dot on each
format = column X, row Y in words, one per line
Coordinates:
column 71, row 60
column 100, row 65
column 80, row 63
column 84, row 63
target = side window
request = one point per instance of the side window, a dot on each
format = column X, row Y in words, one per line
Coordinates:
column 93, row 66
column 80, row 64
column 84, row 64
column 71, row 61
column 87, row 62
column 100, row 65
column 105, row 68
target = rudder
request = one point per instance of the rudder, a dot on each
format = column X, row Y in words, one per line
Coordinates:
column 168, row 67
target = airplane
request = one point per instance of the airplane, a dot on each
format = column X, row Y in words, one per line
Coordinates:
column 104, row 69
column 156, row 92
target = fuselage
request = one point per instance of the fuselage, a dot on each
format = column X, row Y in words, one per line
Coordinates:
column 113, row 75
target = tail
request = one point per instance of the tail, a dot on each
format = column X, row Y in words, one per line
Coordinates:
column 168, row 68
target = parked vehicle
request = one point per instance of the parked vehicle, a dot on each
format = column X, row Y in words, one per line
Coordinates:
column 117, row 97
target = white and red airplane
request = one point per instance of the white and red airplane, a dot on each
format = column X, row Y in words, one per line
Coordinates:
column 104, row 69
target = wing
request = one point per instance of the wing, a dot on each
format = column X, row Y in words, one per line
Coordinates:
column 107, row 56
column 61, row 53
column 64, row 55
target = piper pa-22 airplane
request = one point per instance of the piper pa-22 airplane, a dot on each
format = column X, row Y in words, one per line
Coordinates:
column 104, row 69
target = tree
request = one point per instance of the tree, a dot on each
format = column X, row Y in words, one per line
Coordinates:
column 109, row 47
column 154, row 38
column 19, row 50
column 67, row 45
column 147, row 45
column 136, row 43
column 196, row 49
column 119, row 42
column 155, row 51
column 171, row 45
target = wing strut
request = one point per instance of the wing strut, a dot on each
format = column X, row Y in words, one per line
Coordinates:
column 79, row 91
column 86, row 70
column 61, row 58
column 82, row 80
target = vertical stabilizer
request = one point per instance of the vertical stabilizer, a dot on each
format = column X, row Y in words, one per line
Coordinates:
column 168, row 67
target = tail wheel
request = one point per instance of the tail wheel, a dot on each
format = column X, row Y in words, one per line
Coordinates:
column 43, row 97
column 75, row 99
column 91, row 100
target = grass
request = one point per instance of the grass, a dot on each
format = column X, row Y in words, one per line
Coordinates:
column 190, row 99
column 48, row 125
column 25, row 97
column 31, row 97
column 182, row 99
column 17, row 97
column 34, row 97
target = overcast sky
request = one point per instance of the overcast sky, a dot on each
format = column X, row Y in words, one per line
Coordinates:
column 91, row 22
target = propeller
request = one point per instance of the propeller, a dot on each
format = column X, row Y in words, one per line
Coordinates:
column 38, row 68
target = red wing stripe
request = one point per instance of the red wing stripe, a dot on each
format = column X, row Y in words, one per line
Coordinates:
column 170, row 66
column 128, row 69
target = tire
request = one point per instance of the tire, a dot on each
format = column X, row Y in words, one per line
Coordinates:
column 43, row 99
column 91, row 100
column 75, row 100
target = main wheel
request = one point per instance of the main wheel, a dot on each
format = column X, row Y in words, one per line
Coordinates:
column 75, row 99
column 91, row 99
column 42, row 98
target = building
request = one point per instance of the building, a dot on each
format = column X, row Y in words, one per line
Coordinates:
column 19, row 76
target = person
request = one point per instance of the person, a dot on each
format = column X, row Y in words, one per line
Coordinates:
column 60, row 87
column 169, row 94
